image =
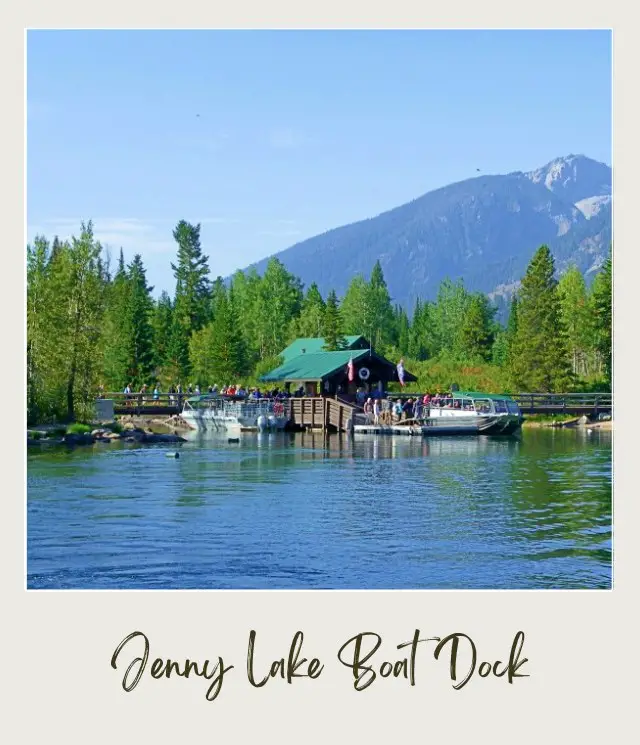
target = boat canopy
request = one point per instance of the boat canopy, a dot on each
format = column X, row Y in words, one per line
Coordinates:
column 476, row 394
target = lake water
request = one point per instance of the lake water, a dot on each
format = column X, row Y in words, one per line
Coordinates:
column 296, row 511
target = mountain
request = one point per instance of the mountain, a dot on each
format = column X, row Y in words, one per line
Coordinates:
column 483, row 230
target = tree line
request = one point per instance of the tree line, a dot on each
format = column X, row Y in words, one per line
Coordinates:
column 90, row 324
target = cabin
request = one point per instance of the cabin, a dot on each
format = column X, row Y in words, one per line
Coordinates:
column 306, row 363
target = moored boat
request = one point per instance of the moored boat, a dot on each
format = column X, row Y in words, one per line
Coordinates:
column 213, row 412
column 459, row 413
column 495, row 414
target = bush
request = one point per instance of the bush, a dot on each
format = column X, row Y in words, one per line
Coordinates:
column 78, row 429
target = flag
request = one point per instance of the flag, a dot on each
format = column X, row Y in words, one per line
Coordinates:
column 350, row 370
column 400, row 369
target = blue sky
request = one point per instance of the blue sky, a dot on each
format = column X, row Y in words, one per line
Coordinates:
column 270, row 137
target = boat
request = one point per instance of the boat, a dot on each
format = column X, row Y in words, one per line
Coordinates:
column 218, row 412
column 493, row 413
column 459, row 413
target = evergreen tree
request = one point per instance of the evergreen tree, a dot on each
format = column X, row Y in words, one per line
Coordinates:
column 366, row 309
column 278, row 301
column 162, row 324
column 539, row 358
column 191, row 303
column 248, row 304
column 139, row 333
column 572, row 292
column 601, row 313
column 115, row 329
column 504, row 337
column 311, row 318
column 403, row 330
column 333, row 339
column 217, row 350
column 447, row 317
column 422, row 332
column 476, row 333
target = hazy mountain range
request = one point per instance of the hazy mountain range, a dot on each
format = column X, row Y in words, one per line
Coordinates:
column 483, row 230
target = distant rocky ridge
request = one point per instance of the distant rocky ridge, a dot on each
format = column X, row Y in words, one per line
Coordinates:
column 483, row 230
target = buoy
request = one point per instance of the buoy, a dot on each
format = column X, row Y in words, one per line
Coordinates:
column 272, row 421
column 262, row 422
column 173, row 455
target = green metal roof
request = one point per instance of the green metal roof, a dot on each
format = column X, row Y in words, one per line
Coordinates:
column 476, row 394
column 312, row 345
column 310, row 366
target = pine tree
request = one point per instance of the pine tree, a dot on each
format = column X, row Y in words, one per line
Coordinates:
column 601, row 313
column 333, row 339
column 115, row 358
column 191, row 303
column 217, row 351
column 139, row 333
column 539, row 358
column 476, row 334
column 161, row 324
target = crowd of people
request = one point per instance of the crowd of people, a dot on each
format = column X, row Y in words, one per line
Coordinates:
column 391, row 410
column 176, row 392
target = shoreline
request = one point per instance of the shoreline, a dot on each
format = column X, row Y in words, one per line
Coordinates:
column 573, row 423
column 130, row 429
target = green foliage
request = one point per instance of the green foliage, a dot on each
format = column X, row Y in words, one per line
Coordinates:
column 217, row 352
column 161, row 324
column 366, row 309
column 601, row 314
column 539, row 359
column 85, row 328
column 310, row 322
column 192, row 300
column 138, row 330
column 78, row 428
column 333, row 339
column 576, row 319
column 65, row 307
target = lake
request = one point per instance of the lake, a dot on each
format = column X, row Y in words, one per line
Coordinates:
column 296, row 511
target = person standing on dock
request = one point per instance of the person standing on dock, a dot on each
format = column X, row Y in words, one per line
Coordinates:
column 376, row 411
column 368, row 410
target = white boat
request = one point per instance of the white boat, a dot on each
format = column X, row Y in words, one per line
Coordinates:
column 234, row 413
column 460, row 413
column 494, row 414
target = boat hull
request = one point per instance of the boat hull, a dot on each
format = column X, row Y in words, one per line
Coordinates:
column 447, row 426
column 217, row 419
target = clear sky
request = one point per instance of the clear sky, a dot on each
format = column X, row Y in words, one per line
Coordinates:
column 270, row 137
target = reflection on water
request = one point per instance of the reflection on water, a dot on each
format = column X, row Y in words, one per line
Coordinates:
column 304, row 511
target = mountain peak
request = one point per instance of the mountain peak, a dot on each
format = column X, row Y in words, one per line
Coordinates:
column 483, row 230
column 574, row 177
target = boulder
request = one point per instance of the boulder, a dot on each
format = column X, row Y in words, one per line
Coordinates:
column 156, row 437
column 73, row 439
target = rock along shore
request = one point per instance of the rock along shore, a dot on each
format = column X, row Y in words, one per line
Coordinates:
column 128, row 432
